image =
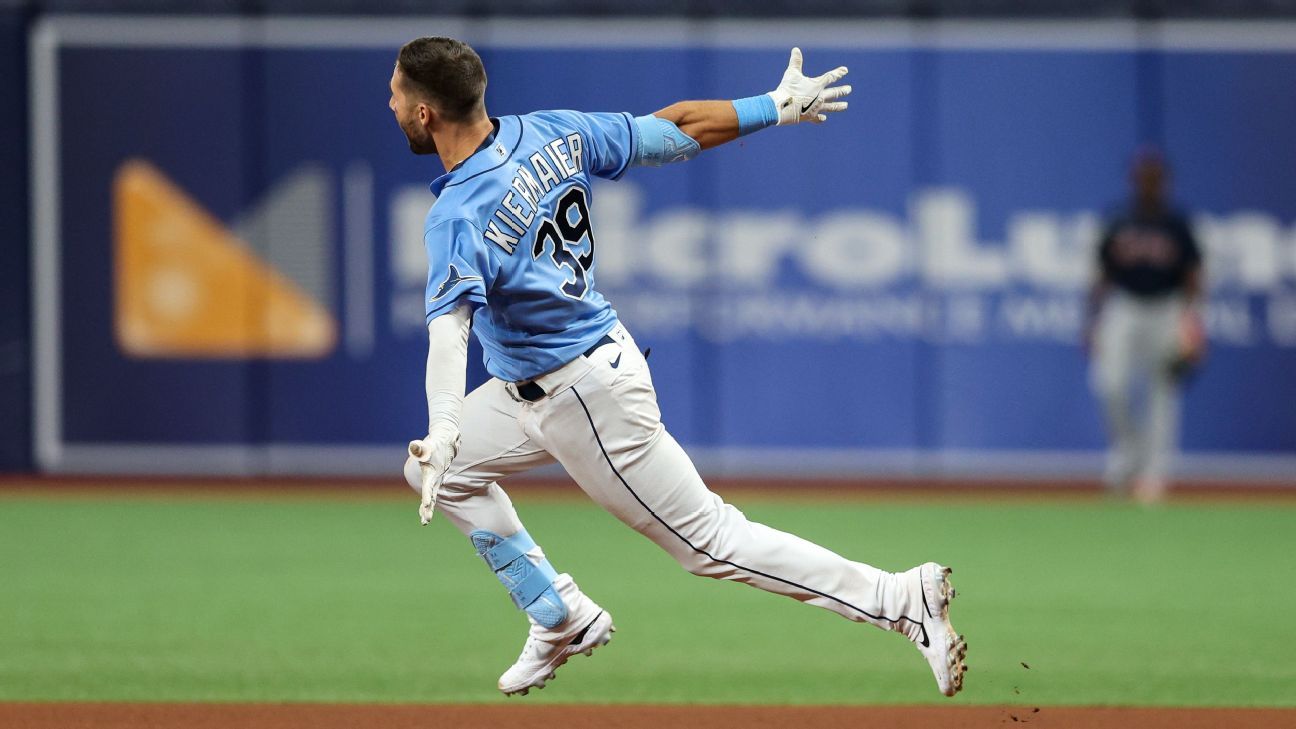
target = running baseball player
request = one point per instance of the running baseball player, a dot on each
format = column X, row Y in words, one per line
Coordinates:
column 1145, row 333
column 511, row 252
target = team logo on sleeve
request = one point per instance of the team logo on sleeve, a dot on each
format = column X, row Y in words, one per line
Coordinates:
column 452, row 280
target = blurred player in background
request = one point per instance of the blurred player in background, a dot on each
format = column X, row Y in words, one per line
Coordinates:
column 512, row 255
column 1144, row 333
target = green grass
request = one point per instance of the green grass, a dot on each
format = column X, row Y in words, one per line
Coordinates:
column 240, row 599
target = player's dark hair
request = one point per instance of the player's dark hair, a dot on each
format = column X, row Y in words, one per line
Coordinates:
column 446, row 72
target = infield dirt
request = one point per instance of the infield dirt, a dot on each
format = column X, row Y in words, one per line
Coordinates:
column 350, row 716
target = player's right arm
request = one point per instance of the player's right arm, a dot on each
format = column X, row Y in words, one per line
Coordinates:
column 1098, row 291
column 679, row 132
column 683, row 129
column 797, row 98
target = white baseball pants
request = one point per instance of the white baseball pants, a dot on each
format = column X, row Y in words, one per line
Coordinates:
column 600, row 420
column 1135, row 342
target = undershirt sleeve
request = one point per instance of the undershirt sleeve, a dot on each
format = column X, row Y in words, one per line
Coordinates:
column 447, row 366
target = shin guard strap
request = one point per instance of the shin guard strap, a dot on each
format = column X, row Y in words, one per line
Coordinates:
column 504, row 551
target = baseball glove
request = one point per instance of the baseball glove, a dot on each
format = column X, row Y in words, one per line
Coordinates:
column 1190, row 349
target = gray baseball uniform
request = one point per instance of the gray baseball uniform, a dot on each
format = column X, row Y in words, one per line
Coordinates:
column 1147, row 258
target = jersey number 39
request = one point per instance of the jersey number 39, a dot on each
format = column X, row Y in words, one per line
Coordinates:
column 571, row 227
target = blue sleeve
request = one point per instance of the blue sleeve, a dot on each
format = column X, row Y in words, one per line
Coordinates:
column 661, row 142
column 610, row 141
column 460, row 268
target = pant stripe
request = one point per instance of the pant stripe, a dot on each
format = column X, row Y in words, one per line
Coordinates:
column 697, row 549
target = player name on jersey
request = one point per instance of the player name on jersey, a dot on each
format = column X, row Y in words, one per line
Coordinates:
column 560, row 160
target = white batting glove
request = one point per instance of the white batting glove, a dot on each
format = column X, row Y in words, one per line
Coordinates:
column 799, row 98
column 434, row 454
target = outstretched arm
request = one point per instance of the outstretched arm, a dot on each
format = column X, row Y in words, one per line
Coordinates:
column 709, row 123
column 683, row 129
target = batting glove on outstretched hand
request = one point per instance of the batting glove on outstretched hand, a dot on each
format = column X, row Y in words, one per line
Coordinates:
column 434, row 454
column 799, row 98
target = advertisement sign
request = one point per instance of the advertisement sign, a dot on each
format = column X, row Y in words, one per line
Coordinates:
column 230, row 265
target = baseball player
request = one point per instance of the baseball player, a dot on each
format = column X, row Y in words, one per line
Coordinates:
column 512, row 256
column 1146, row 333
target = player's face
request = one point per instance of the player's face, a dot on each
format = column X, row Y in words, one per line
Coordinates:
column 412, row 117
column 1149, row 181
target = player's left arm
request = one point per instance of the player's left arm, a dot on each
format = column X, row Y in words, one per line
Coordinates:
column 683, row 129
column 1192, row 327
column 460, row 270
column 444, row 378
column 1194, row 282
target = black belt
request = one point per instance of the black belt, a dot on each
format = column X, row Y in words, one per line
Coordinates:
column 530, row 391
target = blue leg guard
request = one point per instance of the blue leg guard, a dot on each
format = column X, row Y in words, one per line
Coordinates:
column 529, row 584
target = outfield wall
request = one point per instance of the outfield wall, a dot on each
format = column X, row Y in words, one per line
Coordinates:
column 229, row 271
column 15, row 314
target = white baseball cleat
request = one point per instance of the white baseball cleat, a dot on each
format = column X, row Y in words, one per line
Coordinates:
column 539, row 658
column 944, row 649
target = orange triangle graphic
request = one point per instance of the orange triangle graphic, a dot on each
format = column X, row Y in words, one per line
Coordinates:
column 186, row 287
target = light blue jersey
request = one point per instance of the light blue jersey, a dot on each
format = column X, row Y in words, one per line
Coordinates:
column 510, row 233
